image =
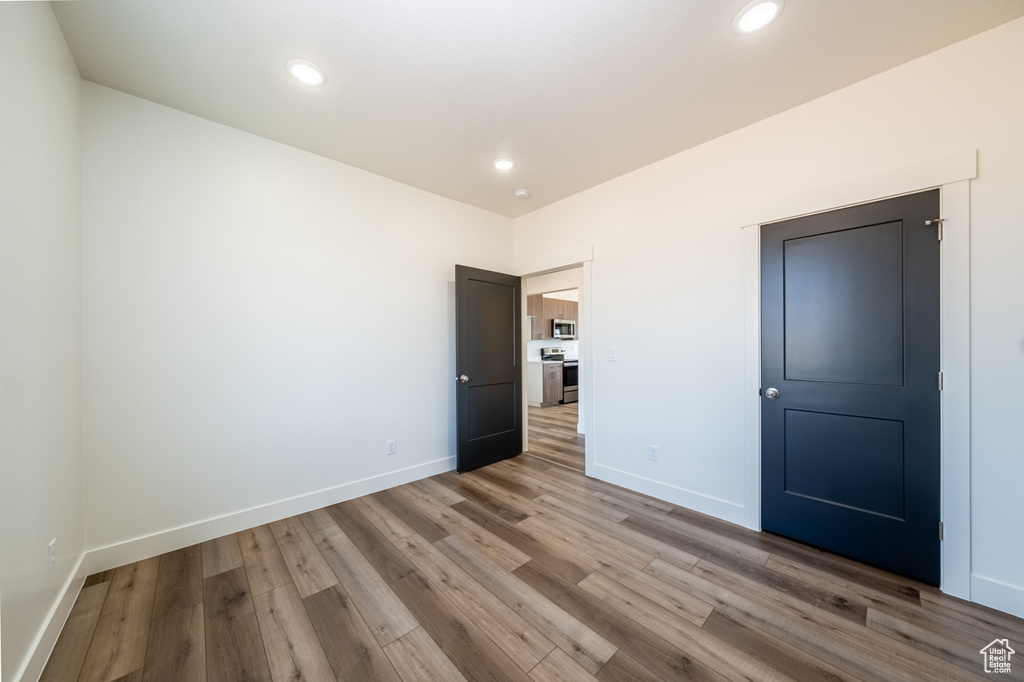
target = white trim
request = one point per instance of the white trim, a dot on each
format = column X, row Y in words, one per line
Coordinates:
column 955, row 294
column 752, row 376
column 915, row 177
column 554, row 261
column 998, row 595
column 952, row 175
column 523, row 355
column 691, row 499
column 136, row 549
column 582, row 256
column 46, row 639
column 586, row 355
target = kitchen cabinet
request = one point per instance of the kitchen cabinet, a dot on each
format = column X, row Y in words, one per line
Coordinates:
column 557, row 309
column 534, row 305
column 535, row 310
column 543, row 310
column 571, row 310
column 552, row 311
column 543, row 383
column 552, row 384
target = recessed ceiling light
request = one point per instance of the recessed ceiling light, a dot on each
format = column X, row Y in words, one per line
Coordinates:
column 522, row 194
column 306, row 72
column 757, row 15
column 504, row 164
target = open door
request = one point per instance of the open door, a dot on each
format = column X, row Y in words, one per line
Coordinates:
column 488, row 356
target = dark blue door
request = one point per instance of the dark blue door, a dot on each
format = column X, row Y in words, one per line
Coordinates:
column 849, row 382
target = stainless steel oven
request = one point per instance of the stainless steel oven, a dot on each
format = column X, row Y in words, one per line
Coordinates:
column 570, row 381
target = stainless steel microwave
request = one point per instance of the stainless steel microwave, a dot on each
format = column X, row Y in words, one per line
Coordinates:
column 563, row 329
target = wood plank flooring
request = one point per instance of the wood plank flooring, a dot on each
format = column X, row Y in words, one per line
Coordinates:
column 524, row 571
column 553, row 435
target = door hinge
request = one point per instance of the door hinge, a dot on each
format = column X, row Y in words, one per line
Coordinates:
column 937, row 222
column 940, row 531
column 940, row 381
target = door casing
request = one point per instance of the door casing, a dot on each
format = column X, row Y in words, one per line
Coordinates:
column 584, row 257
column 952, row 175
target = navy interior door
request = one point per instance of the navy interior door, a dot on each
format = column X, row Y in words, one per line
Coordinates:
column 488, row 359
column 849, row 383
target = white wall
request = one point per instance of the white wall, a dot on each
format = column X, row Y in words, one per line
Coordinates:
column 667, row 246
column 258, row 322
column 555, row 281
column 40, row 328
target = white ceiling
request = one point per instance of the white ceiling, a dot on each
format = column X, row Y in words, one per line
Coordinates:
column 429, row 92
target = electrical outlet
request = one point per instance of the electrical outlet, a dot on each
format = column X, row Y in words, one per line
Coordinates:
column 652, row 453
column 51, row 551
column 391, row 447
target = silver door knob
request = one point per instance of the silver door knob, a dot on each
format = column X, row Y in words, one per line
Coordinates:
column 463, row 378
column 772, row 394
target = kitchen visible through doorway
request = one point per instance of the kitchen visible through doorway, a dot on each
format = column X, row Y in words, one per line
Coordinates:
column 553, row 388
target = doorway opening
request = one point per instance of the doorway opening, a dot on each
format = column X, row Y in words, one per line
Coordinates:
column 555, row 430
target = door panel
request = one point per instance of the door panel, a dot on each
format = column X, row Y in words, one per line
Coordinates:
column 489, row 420
column 491, row 410
column 866, row 461
column 488, row 305
column 850, row 339
column 844, row 306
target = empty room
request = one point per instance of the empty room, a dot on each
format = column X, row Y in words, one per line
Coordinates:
column 382, row 340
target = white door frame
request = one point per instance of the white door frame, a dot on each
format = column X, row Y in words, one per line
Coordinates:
column 563, row 261
column 951, row 175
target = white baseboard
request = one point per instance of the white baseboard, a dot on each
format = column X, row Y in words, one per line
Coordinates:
column 39, row 653
column 997, row 594
column 705, row 504
column 136, row 549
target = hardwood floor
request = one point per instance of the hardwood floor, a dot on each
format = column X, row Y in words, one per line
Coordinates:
column 525, row 570
column 553, row 435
